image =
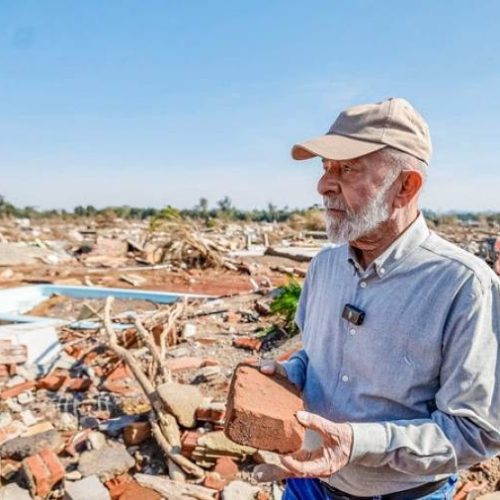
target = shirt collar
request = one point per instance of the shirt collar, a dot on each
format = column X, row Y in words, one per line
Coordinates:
column 410, row 239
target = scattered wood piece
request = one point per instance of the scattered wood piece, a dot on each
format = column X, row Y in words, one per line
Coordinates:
column 174, row 490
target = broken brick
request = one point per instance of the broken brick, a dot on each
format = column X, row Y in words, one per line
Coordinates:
column 134, row 490
column 184, row 363
column 78, row 384
column 249, row 343
column 261, row 411
column 213, row 481
column 120, row 381
column 118, row 485
column 51, row 382
column 42, row 472
column 189, row 440
column 212, row 412
column 14, row 391
column 136, row 433
column 227, row 468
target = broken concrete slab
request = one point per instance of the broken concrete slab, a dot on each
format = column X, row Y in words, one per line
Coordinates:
column 14, row 492
column 89, row 488
column 182, row 400
column 40, row 338
column 22, row 447
column 106, row 462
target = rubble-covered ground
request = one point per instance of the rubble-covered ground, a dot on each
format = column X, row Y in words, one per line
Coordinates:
column 133, row 405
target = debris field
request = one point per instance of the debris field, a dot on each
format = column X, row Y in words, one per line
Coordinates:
column 135, row 402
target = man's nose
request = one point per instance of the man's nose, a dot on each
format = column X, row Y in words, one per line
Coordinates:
column 328, row 185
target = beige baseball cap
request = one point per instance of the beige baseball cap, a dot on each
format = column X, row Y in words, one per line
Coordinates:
column 364, row 129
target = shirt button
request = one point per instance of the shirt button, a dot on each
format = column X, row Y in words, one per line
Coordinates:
column 362, row 284
column 382, row 270
column 345, row 378
column 352, row 331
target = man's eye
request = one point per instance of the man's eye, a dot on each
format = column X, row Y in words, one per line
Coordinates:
column 346, row 169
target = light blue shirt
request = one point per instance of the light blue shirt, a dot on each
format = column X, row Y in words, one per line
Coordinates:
column 419, row 380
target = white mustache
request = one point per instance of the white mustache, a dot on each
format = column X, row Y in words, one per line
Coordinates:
column 333, row 203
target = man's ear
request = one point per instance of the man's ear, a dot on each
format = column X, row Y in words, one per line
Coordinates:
column 411, row 183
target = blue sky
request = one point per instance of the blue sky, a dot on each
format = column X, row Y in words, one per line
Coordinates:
column 153, row 102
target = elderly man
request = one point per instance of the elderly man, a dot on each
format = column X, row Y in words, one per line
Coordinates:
column 400, row 369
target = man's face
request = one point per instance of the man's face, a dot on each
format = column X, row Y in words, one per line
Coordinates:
column 356, row 196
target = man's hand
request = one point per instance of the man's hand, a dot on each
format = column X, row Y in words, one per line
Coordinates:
column 270, row 367
column 321, row 462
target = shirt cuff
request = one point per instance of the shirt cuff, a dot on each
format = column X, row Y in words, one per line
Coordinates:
column 370, row 442
column 294, row 368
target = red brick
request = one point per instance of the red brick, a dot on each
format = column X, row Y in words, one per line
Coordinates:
column 214, row 481
column 134, row 491
column 43, row 471
column 136, row 433
column 121, row 381
column 118, row 485
column 210, row 362
column 210, row 414
column 261, row 411
column 189, row 440
column 12, row 392
column 248, row 343
column 79, row 384
column 184, row 363
column 226, row 467
column 51, row 382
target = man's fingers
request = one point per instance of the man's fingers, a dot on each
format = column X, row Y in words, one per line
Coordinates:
column 264, row 473
column 317, row 467
column 270, row 367
column 315, row 422
column 302, row 455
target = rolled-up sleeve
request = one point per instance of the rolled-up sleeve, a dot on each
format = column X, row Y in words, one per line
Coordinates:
column 465, row 427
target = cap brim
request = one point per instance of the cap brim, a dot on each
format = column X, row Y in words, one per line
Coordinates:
column 334, row 147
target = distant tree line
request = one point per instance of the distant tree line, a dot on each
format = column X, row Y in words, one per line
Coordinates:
column 223, row 210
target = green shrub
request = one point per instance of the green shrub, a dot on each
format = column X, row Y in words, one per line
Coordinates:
column 285, row 304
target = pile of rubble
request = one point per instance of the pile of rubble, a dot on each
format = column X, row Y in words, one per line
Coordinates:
column 136, row 406
column 134, row 403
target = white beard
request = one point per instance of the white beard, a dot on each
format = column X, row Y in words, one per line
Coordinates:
column 351, row 226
